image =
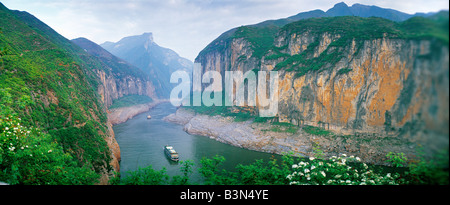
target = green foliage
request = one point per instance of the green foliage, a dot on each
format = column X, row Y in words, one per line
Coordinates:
column 397, row 160
column 318, row 153
column 282, row 127
column 426, row 28
column 150, row 176
column 317, row 170
column 45, row 83
column 340, row 170
column 130, row 100
column 239, row 114
column 261, row 39
column 351, row 28
column 143, row 176
column 432, row 172
column 344, row 71
column 28, row 156
column 257, row 173
column 316, row 131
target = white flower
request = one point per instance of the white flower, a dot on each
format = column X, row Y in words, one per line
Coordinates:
column 313, row 167
column 306, row 170
column 6, row 128
column 49, row 151
column 388, row 175
column 12, row 148
column 344, row 155
column 323, row 173
column 31, row 155
column 321, row 163
column 357, row 158
column 308, row 178
column 294, row 166
column 311, row 158
column 337, row 176
column 348, row 181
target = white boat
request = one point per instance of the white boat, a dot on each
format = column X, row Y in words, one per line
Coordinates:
column 149, row 117
column 171, row 153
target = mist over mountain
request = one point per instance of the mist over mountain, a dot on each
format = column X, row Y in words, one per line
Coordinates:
column 142, row 52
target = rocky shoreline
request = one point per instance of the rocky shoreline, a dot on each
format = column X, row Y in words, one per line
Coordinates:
column 371, row 148
column 121, row 115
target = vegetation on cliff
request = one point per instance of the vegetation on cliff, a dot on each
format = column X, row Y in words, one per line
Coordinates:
column 378, row 83
column 130, row 100
column 48, row 90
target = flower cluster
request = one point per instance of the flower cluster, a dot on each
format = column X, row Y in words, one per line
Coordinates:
column 340, row 170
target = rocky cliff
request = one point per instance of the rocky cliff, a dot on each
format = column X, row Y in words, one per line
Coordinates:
column 351, row 75
column 117, row 77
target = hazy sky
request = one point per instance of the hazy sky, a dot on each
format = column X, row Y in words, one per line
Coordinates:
column 185, row 26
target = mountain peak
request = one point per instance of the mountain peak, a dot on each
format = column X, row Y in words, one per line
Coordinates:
column 341, row 4
column 340, row 9
column 148, row 35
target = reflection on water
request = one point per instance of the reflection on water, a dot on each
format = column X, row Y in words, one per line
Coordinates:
column 141, row 142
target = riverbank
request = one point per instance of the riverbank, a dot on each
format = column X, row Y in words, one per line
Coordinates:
column 121, row 115
column 267, row 137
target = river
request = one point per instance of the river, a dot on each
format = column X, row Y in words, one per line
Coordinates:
column 141, row 142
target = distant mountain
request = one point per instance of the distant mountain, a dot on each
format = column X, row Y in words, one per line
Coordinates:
column 341, row 9
column 123, row 78
column 142, row 52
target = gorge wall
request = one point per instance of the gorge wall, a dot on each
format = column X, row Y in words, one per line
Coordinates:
column 350, row 79
column 117, row 77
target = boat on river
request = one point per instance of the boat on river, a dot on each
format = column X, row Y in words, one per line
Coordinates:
column 171, row 153
column 149, row 117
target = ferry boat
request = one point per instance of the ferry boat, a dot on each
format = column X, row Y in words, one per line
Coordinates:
column 149, row 117
column 171, row 153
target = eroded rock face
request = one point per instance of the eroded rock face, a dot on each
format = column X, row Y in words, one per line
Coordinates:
column 391, row 87
column 113, row 88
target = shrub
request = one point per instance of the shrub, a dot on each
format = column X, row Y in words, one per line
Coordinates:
column 397, row 160
column 338, row 171
column 28, row 156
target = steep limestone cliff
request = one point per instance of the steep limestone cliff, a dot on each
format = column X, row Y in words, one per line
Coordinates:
column 117, row 77
column 113, row 88
column 351, row 75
